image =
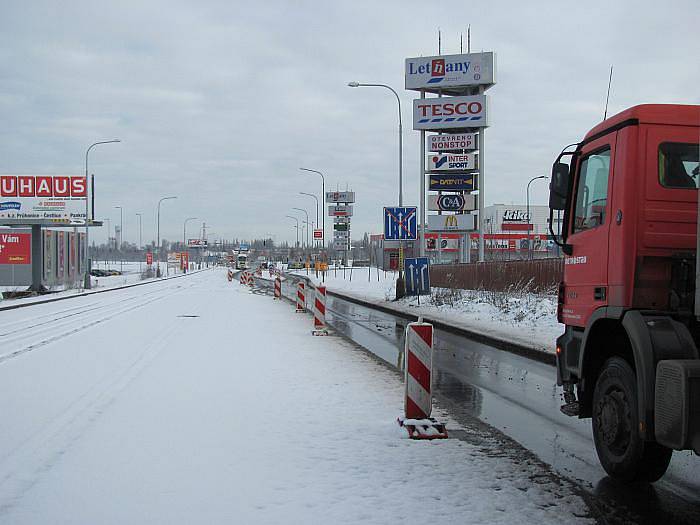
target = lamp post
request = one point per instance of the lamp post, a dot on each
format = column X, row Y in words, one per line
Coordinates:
column 358, row 84
column 109, row 244
column 184, row 231
column 316, row 199
column 158, row 234
column 400, row 286
column 323, row 197
column 527, row 212
column 297, row 227
column 121, row 237
column 86, row 262
column 140, row 244
column 307, row 222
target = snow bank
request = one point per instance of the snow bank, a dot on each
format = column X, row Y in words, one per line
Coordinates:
column 525, row 319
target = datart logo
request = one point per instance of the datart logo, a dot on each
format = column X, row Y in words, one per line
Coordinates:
column 439, row 161
column 11, row 205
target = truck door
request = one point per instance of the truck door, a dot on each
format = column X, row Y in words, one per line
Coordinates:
column 586, row 270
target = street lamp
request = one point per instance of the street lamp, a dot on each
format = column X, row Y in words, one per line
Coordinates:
column 307, row 222
column 400, row 286
column 527, row 212
column 87, row 200
column 358, row 84
column 158, row 234
column 297, row 227
column 140, row 245
column 316, row 199
column 323, row 196
column 184, row 231
column 121, row 237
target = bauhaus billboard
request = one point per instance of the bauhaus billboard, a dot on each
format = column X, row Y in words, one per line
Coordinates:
column 42, row 199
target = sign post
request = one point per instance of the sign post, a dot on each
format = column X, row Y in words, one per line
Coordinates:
column 460, row 111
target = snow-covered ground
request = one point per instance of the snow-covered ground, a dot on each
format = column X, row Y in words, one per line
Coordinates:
column 526, row 319
column 196, row 400
column 132, row 274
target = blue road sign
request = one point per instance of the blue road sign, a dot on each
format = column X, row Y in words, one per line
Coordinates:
column 417, row 276
column 400, row 223
column 466, row 181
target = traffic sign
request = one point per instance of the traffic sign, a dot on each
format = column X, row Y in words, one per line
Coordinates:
column 467, row 182
column 417, row 272
column 341, row 227
column 400, row 223
column 318, row 234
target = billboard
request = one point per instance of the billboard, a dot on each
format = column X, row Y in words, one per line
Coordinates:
column 452, row 202
column 452, row 141
column 196, row 243
column 42, row 199
column 15, row 248
column 461, row 182
column 340, row 196
column 340, row 211
column 318, row 234
column 445, row 242
column 452, row 162
column 447, row 223
column 450, row 112
column 450, row 71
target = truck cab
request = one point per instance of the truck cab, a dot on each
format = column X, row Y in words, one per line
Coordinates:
column 628, row 358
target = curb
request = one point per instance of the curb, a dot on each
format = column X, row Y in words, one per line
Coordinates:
column 86, row 294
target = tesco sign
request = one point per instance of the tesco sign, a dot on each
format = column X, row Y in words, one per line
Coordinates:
column 450, row 112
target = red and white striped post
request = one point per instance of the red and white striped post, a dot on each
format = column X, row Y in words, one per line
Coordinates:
column 243, row 278
column 251, row 279
column 230, row 275
column 320, row 311
column 301, row 298
column 418, row 401
column 278, row 288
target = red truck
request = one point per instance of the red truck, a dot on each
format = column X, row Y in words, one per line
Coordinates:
column 628, row 358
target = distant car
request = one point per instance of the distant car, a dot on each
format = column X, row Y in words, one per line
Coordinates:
column 296, row 265
column 263, row 265
column 97, row 273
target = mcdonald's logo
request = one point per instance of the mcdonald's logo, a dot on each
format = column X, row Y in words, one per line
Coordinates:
column 450, row 221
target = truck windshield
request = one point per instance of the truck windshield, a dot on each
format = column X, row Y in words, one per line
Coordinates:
column 678, row 165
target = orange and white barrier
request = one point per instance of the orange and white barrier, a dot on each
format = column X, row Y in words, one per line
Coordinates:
column 246, row 278
column 278, row 288
column 320, row 311
column 418, row 400
column 301, row 297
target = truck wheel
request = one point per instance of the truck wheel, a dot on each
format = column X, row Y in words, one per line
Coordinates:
column 622, row 452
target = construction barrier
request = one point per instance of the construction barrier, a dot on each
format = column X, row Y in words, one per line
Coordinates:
column 278, row 288
column 230, row 275
column 320, row 311
column 418, row 400
column 246, row 278
column 301, row 298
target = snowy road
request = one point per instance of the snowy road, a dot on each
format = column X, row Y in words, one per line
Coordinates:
column 196, row 401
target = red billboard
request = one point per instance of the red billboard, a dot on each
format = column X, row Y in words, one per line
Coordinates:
column 149, row 258
column 15, row 248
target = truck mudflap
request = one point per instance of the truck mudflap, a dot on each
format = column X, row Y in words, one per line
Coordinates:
column 677, row 404
column 654, row 338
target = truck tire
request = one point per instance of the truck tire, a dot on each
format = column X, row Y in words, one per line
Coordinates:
column 622, row 452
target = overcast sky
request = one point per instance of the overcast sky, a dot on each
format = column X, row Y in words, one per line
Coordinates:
column 220, row 103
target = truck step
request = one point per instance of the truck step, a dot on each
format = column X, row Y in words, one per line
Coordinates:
column 570, row 409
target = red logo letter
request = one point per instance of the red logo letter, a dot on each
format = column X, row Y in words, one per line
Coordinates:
column 77, row 187
column 61, row 187
column 8, row 186
column 26, row 186
column 43, row 187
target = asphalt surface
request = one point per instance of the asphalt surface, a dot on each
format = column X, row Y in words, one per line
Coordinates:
column 519, row 397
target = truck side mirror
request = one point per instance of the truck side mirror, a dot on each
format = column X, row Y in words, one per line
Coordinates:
column 559, row 186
